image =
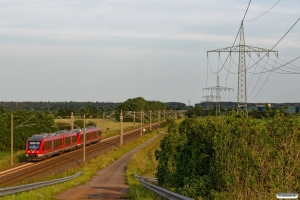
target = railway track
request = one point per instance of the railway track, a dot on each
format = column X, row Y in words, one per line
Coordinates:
column 58, row 164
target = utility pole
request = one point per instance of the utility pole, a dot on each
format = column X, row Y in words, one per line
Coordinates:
column 121, row 128
column 150, row 120
column 72, row 120
column 12, row 139
column 134, row 119
column 158, row 117
column 83, row 138
column 12, row 135
column 242, row 49
column 141, row 123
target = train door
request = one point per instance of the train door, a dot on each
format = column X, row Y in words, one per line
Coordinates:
column 52, row 145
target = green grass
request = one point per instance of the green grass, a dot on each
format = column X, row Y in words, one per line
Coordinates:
column 144, row 164
column 5, row 158
column 88, row 170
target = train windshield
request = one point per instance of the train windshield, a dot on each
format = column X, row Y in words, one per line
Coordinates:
column 33, row 145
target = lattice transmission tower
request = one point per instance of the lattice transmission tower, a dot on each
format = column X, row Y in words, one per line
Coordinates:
column 242, row 49
column 218, row 89
column 209, row 99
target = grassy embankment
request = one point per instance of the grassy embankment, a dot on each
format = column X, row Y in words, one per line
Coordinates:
column 144, row 164
column 88, row 170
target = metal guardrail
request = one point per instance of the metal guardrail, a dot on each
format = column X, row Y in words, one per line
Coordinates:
column 161, row 191
column 145, row 178
column 22, row 188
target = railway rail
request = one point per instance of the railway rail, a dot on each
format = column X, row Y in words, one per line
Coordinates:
column 56, row 164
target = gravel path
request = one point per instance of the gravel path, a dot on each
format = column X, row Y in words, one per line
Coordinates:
column 109, row 183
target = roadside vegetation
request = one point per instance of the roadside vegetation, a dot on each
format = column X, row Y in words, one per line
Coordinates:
column 231, row 157
column 144, row 164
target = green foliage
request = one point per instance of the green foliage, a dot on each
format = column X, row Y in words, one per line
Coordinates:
column 80, row 123
column 166, row 123
column 196, row 112
column 38, row 122
column 63, row 125
column 231, row 157
column 2, row 110
column 139, row 104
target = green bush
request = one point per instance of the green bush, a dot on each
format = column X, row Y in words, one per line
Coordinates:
column 231, row 157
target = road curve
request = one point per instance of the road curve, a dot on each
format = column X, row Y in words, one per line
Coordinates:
column 109, row 182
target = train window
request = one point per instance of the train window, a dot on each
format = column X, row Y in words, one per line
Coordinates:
column 33, row 145
column 46, row 146
column 68, row 141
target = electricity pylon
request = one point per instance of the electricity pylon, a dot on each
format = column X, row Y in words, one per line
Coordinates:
column 209, row 101
column 242, row 49
column 218, row 90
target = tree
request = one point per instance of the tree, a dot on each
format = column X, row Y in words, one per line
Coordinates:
column 139, row 104
column 35, row 123
column 2, row 110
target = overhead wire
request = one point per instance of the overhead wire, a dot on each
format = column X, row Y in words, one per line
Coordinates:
column 263, row 84
column 276, row 43
column 264, row 12
column 272, row 70
column 274, row 64
column 282, row 65
column 235, row 38
column 223, row 65
column 258, row 78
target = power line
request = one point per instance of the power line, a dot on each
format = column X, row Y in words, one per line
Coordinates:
column 258, row 78
column 264, row 12
column 277, row 42
column 272, row 70
column 246, row 10
column 263, row 84
column 282, row 65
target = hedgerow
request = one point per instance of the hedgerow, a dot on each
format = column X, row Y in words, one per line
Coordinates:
column 231, row 157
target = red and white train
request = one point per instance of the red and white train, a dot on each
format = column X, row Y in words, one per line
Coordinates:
column 42, row 146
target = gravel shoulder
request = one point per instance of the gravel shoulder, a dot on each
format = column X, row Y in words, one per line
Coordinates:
column 108, row 183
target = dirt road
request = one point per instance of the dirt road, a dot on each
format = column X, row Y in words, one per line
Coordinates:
column 109, row 183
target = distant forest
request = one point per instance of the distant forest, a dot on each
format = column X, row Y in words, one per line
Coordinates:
column 66, row 107
column 62, row 108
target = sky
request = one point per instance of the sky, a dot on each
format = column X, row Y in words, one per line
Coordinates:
column 110, row 51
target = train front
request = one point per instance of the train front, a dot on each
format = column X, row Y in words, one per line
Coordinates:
column 33, row 148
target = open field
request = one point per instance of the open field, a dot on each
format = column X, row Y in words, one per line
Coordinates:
column 108, row 128
column 105, row 125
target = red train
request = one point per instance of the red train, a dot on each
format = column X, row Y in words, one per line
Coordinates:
column 42, row 146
